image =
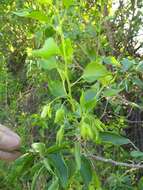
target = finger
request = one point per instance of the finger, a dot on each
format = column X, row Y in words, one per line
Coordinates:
column 8, row 139
column 9, row 156
column 7, row 131
column 8, row 142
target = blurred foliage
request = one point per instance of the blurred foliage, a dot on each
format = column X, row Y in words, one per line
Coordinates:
column 71, row 86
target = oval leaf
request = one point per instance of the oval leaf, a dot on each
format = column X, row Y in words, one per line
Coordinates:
column 34, row 14
column 49, row 49
column 111, row 92
column 86, row 171
column 48, row 64
column 95, row 71
column 60, row 167
column 113, row 138
column 136, row 154
column 56, row 88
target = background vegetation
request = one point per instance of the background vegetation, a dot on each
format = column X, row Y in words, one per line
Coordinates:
column 71, row 76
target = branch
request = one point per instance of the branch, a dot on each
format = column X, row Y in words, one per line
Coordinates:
column 109, row 32
column 115, row 163
column 140, row 46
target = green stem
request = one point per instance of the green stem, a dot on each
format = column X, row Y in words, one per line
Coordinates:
column 69, row 94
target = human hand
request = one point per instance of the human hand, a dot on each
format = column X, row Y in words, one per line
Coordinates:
column 9, row 144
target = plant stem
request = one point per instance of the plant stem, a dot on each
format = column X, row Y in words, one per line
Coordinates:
column 69, row 94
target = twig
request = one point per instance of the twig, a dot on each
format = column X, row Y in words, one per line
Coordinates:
column 127, row 120
column 126, row 102
column 77, row 65
column 115, row 163
column 105, row 109
column 77, row 81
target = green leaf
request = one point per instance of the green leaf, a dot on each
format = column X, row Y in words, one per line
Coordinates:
column 38, row 39
column 77, row 155
column 107, row 80
column 111, row 92
column 137, row 81
column 60, row 167
column 140, row 184
column 88, row 99
column 136, row 154
column 90, row 94
column 54, row 185
column 48, row 64
column 68, row 3
column 48, row 50
column 35, row 168
column 111, row 60
column 113, row 138
column 56, row 88
column 20, row 166
column 22, row 13
column 95, row 71
column 39, row 147
column 57, row 148
column 98, row 124
column 38, row 15
column 95, row 183
column 48, row 2
column 86, row 171
column 49, row 31
column 35, row 178
column 127, row 64
column 139, row 67
column 47, row 166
